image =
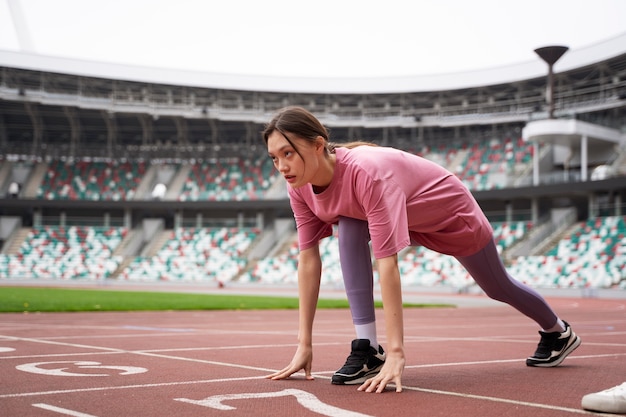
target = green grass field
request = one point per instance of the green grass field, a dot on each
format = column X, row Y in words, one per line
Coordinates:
column 35, row 299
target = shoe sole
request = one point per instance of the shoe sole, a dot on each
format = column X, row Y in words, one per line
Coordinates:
column 570, row 349
column 360, row 379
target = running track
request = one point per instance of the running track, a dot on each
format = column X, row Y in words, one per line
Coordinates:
column 464, row 361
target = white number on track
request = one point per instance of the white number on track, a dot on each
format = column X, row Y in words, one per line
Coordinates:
column 36, row 368
column 306, row 399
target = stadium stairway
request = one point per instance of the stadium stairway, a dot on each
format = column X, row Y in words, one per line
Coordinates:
column 142, row 192
column 35, row 178
column 195, row 255
column 5, row 175
column 157, row 243
column 12, row 247
column 175, row 186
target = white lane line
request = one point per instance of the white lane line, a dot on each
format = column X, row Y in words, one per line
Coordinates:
column 60, row 410
column 161, row 329
column 569, row 358
column 57, row 355
column 124, row 387
column 181, row 358
column 75, row 345
column 494, row 362
column 499, row 400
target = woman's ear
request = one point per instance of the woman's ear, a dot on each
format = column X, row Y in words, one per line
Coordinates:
column 320, row 144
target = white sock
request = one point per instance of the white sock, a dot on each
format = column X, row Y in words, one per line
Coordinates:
column 558, row 327
column 367, row 331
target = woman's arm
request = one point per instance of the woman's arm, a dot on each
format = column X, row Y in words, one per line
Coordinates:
column 391, row 289
column 309, row 276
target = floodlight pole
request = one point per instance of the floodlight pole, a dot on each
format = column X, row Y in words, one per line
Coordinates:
column 551, row 54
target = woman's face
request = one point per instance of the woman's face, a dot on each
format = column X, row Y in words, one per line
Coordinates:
column 297, row 169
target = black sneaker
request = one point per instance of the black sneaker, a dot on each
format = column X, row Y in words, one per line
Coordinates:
column 363, row 363
column 554, row 347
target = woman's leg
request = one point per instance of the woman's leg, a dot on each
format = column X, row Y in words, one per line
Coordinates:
column 358, row 278
column 366, row 356
column 488, row 271
column 558, row 339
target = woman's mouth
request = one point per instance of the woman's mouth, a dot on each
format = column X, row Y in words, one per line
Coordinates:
column 290, row 178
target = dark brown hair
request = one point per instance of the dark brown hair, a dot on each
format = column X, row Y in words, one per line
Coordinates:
column 298, row 122
column 303, row 124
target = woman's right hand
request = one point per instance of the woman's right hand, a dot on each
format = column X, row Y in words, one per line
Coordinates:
column 309, row 275
column 302, row 359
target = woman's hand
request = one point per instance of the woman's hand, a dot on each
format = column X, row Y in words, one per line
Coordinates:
column 302, row 359
column 309, row 275
column 391, row 372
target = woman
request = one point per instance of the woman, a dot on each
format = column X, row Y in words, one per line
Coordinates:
column 393, row 199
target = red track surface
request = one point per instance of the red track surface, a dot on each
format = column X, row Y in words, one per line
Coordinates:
column 466, row 361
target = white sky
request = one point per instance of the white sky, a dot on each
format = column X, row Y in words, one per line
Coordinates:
column 316, row 38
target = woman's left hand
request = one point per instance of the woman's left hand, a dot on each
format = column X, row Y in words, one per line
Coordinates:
column 391, row 372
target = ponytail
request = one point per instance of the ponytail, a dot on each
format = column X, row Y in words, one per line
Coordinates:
column 349, row 145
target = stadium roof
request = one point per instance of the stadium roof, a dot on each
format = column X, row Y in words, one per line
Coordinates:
column 574, row 58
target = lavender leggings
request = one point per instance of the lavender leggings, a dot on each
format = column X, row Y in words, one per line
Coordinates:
column 485, row 267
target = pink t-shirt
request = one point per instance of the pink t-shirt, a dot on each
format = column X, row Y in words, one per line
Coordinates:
column 405, row 199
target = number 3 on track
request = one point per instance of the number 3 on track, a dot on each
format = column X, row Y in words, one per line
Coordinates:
column 38, row 368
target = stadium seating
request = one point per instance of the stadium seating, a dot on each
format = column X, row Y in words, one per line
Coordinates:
column 480, row 165
column 593, row 256
column 484, row 165
column 228, row 179
column 58, row 253
column 443, row 154
column 489, row 165
column 506, row 234
column 195, row 255
column 85, row 179
column 418, row 266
